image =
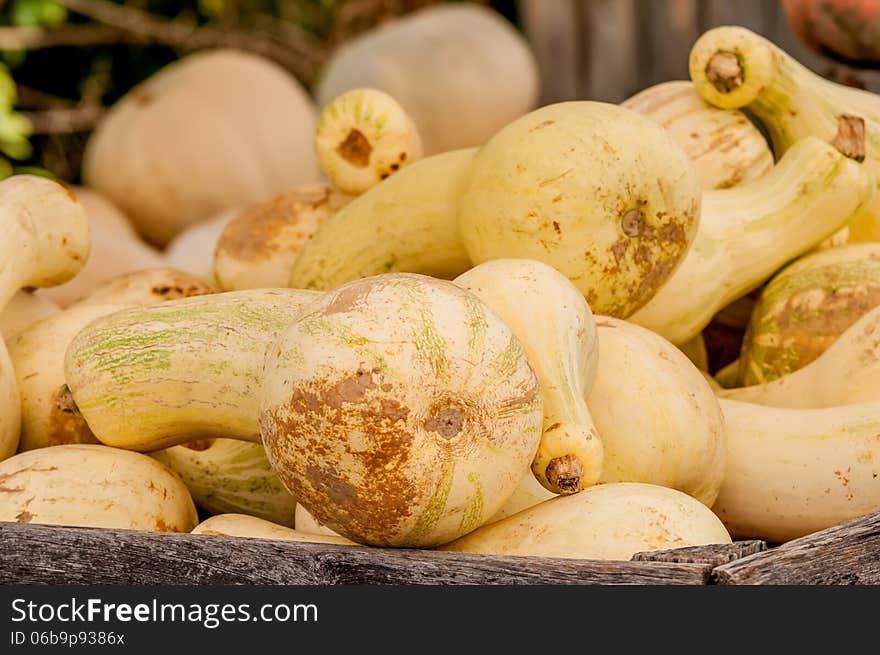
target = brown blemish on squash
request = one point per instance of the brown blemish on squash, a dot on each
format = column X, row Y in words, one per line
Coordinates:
column 66, row 424
column 24, row 516
column 850, row 137
column 163, row 526
column 542, row 125
column 254, row 232
column 555, row 426
column 355, row 149
column 180, row 285
column 564, row 473
column 199, row 444
column 447, row 422
column 808, row 329
column 633, row 223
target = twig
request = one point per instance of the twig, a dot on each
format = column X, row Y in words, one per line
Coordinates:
column 33, row 38
column 81, row 118
column 301, row 59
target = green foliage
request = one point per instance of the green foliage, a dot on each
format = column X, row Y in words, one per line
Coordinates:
column 15, row 129
column 37, row 13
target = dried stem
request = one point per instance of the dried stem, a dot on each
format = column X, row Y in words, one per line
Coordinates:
column 299, row 56
column 81, row 118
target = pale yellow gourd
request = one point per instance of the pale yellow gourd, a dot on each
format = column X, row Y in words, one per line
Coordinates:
column 149, row 286
column 408, row 431
column 791, row 472
column 550, row 317
column 47, row 416
column 258, row 247
column 461, row 71
column 305, row 522
column 658, row 418
column 848, row 372
column 747, row 233
column 725, row 147
column 230, row 476
column 188, row 143
column 45, row 242
column 364, row 136
column 251, row 527
column 734, row 67
column 408, row 222
column 116, row 249
column 605, row 522
column 597, row 191
column 24, row 309
column 192, row 250
column 183, row 370
column 89, row 485
column 805, row 307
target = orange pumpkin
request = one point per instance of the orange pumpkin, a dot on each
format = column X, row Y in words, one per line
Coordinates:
column 843, row 29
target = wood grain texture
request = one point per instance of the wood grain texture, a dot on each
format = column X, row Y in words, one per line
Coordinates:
column 39, row 554
column 713, row 554
column 845, row 554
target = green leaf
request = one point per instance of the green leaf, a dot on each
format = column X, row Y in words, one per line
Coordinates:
column 37, row 13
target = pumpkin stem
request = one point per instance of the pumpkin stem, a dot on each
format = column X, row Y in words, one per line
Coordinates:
column 725, row 71
column 850, row 139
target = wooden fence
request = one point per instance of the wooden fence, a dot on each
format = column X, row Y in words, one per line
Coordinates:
column 610, row 49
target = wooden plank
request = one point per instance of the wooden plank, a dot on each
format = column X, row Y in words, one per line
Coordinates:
column 39, row 554
column 610, row 50
column 845, row 554
column 552, row 31
column 666, row 35
column 714, row 554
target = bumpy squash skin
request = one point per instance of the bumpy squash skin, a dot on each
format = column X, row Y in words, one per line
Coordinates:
column 791, row 101
column 90, row 485
column 848, row 372
column 806, row 307
column 552, row 320
column 607, row 522
column 183, row 370
column 231, row 476
column 725, row 147
column 597, row 191
column 251, row 527
column 408, row 222
column 791, row 472
column 404, row 431
column 258, row 247
column 658, row 417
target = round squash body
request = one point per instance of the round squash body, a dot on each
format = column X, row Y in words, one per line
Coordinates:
column 94, row 486
column 461, row 73
column 214, row 130
column 725, row 147
column 251, row 527
column 399, row 410
column 597, row 191
column 115, row 249
column 258, row 247
column 228, row 475
column 658, row 417
column 608, row 522
column 806, row 307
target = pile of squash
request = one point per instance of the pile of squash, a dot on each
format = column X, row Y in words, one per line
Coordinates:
column 403, row 322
